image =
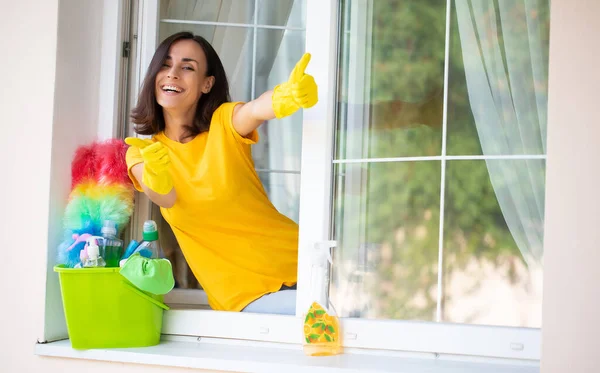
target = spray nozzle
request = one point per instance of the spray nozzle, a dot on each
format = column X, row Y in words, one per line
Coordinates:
column 322, row 254
column 93, row 250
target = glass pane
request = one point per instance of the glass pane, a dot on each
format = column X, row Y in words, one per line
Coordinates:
column 277, row 52
column 284, row 191
column 387, row 228
column 238, row 11
column 281, row 140
column 288, row 13
column 392, row 78
column 498, row 78
column 234, row 47
column 280, row 145
column 493, row 234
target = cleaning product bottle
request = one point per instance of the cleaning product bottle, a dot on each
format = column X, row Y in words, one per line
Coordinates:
column 93, row 258
column 112, row 247
column 150, row 241
column 321, row 325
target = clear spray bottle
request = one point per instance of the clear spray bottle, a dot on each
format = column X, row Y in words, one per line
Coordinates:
column 93, row 259
column 321, row 325
column 150, row 242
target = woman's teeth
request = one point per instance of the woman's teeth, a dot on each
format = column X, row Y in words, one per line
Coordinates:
column 170, row 88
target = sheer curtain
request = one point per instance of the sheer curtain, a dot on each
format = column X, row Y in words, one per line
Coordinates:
column 281, row 140
column 506, row 73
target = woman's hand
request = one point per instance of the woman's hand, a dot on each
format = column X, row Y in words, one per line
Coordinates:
column 300, row 91
column 156, row 174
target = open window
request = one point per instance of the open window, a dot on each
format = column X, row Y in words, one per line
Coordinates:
column 424, row 159
column 436, row 145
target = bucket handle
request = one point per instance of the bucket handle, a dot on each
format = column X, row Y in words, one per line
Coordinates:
column 145, row 296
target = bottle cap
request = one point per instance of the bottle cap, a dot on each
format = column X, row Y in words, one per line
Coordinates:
column 109, row 228
column 150, row 231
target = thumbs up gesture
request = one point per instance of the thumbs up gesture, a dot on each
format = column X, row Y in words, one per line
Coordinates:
column 300, row 91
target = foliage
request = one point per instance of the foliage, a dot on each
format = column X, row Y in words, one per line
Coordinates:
column 396, row 205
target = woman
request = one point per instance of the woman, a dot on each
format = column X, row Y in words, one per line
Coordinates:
column 198, row 168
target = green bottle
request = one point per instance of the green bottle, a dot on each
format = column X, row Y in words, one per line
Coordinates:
column 112, row 247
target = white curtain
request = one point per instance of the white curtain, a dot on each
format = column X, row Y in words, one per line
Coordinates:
column 281, row 140
column 506, row 74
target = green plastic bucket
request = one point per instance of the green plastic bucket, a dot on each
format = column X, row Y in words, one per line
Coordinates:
column 104, row 310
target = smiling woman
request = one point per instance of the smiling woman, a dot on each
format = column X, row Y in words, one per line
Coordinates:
column 192, row 68
column 198, row 168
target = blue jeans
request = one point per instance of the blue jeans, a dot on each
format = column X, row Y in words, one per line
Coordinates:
column 282, row 302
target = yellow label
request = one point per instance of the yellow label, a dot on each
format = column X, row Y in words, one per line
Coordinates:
column 319, row 326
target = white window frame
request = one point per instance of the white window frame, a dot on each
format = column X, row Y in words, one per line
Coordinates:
column 322, row 41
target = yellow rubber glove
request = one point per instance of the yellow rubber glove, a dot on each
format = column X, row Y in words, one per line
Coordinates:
column 156, row 174
column 300, row 91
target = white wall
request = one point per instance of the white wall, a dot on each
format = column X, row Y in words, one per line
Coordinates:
column 571, row 306
column 49, row 103
column 76, row 91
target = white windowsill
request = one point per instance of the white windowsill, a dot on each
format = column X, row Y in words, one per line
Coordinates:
column 233, row 357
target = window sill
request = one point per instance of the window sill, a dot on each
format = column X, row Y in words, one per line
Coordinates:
column 230, row 356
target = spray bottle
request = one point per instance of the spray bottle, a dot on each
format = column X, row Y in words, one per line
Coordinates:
column 321, row 324
column 93, row 258
column 150, row 241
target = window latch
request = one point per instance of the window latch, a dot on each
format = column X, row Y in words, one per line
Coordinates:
column 126, row 49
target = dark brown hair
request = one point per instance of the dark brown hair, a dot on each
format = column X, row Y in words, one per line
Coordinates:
column 148, row 114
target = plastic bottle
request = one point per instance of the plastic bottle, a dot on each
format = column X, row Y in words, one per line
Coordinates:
column 112, row 247
column 93, row 258
column 322, row 334
column 150, row 240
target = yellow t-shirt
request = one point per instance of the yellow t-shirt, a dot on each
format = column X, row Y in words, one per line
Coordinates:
column 237, row 244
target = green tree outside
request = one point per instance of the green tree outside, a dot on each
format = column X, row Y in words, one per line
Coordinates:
column 402, row 199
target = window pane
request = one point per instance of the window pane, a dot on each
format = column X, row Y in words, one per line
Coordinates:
column 234, row 47
column 493, row 234
column 284, row 191
column 392, row 56
column 289, row 13
column 498, row 78
column 277, row 52
column 238, row 11
column 386, row 225
column 392, row 78
column 281, row 140
column 280, row 144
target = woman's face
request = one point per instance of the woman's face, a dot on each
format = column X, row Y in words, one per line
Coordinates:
column 182, row 79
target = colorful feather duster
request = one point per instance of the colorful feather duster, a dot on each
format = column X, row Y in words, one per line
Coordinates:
column 100, row 190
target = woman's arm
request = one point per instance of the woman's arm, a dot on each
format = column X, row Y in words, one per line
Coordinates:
column 163, row 200
column 300, row 91
column 249, row 116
